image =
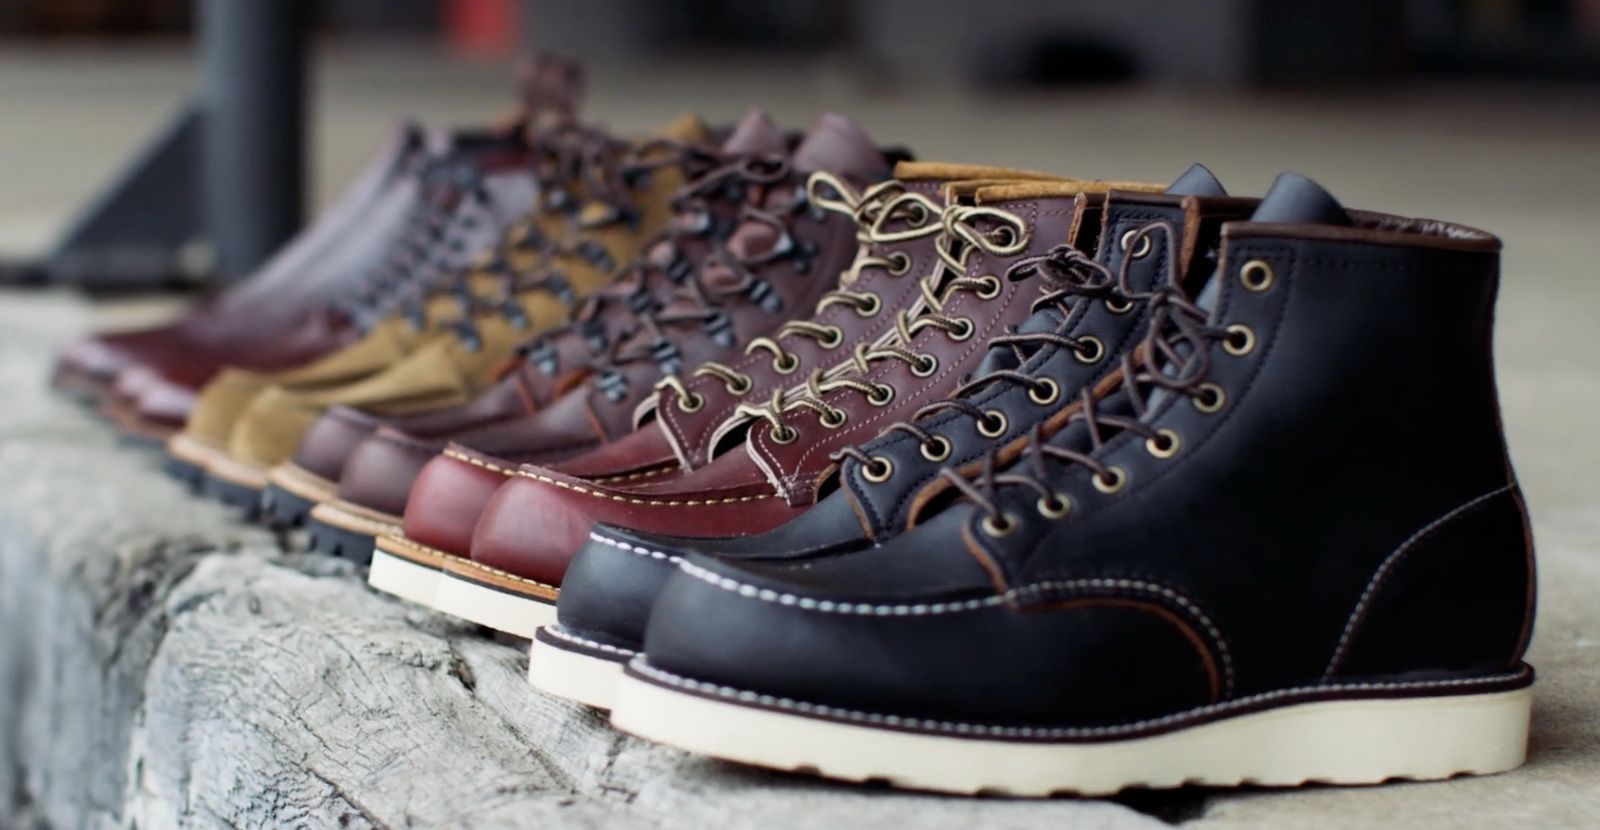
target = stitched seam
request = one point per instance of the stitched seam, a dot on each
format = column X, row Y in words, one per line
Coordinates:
column 478, row 462
column 1381, row 576
column 659, row 471
column 578, row 488
column 1008, row 597
column 732, row 694
column 461, row 560
column 560, row 633
column 635, row 549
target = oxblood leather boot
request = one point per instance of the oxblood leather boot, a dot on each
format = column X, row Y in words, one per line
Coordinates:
column 1028, row 378
column 766, row 274
column 460, row 361
column 1287, row 547
column 349, row 510
column 537, row 520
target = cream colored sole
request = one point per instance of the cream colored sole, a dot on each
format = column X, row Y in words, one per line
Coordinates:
column 572, row 674
column 496, row 608
column 1362, row 741
column 303, row 483
column 233, row 471
column 401, row 576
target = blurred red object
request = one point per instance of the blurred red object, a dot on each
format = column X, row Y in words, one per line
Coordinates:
column 483, row 28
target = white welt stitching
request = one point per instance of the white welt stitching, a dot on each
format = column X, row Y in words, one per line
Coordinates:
column 929, row 608
column 730, row 694
column 1381, row 575
column 671, row 559
column 560, row 633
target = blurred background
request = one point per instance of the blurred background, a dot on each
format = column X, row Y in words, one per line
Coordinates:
column 1485, row 112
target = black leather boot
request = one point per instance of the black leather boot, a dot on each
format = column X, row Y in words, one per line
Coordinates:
column 1287, row 547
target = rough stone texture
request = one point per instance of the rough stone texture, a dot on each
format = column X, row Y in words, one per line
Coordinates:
column 162, row 664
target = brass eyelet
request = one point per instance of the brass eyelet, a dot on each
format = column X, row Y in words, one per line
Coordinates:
column 993, row 423
column 1241, row 340
column 783, row 434
column 967, row 327
column 1167, row 447
column 920, row 215
column 1051, row 393
column 881, row 395
column 740, row 386
column 990, row 287
column 834, row 418
column 878, row 471
column 1144, row 244
column 870, row 307
column 832, row 337
column 925, row 366
column 1119, row 305
column 1118, row 479
column 691, row 402
column 1210, row 399
column 937, row 449
column 1054, row 506
column 1096, row 349
column 899, row 263
column 1001, row 529
column 785, row 367
column 1256, row 275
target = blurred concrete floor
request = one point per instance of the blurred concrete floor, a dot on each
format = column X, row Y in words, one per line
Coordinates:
column 1522, row 163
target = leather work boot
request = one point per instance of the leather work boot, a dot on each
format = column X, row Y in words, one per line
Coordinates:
column 463, row 361
column 157, row 371
column 539, row 519
column 483, row 200
column 378, row 479
column 1093, row 301
column 1158, row 593
column 786, row 254
column 350, row 509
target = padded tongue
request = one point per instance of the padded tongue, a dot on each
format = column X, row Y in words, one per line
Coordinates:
column 1197, row 181
column 1293, row 198
column 755, row 135
column 837, row 145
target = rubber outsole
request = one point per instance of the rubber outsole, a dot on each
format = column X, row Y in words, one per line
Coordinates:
column 403, row 577
column 336, row 541
column 575, row 668
column 516, row 614
column 281, row 508
column 186, row 473
column 247, row 500
column 1345, row 740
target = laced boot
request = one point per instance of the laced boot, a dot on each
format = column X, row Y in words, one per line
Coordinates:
column 930, row 345
column 1196, row 579
column 453, row 363
column 785, row 254
column 246, row 325
column 350, row 508
column 1092, row 308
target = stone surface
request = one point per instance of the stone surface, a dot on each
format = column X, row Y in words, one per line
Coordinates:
column 162, row 664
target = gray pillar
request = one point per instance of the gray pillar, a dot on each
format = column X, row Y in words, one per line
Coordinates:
column 253, row 66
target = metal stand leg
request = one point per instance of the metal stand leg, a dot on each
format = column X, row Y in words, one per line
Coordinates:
column 253, row 59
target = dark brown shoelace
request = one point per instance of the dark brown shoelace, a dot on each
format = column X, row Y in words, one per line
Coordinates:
column 1173, row 357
